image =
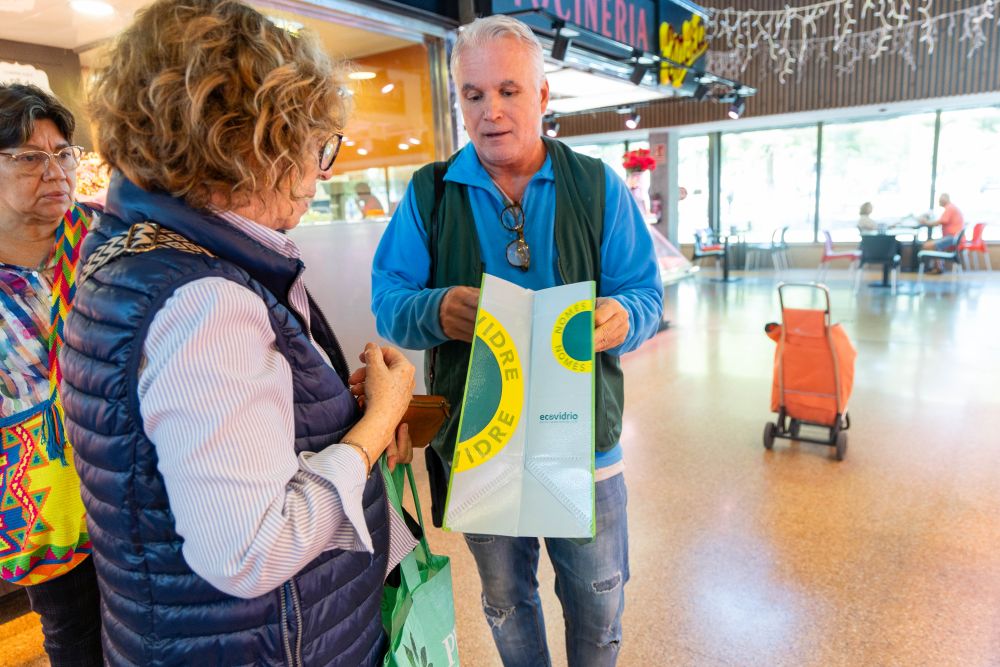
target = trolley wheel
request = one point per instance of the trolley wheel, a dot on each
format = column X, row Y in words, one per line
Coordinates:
column 841, row 446
column 794, row 427
column 769, row 430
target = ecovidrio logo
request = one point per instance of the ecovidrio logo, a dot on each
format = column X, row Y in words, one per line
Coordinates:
column 494, row 395
column 573, row 337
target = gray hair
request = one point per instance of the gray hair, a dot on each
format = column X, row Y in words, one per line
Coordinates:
column 490, row 28
column 22, row 105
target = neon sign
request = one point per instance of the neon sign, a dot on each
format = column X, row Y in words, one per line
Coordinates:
column 684, row 48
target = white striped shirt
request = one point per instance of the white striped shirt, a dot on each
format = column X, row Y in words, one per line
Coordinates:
column 216, row 400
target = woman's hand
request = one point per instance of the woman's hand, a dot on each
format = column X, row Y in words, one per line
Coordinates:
column 386, row 382
column 400, row 450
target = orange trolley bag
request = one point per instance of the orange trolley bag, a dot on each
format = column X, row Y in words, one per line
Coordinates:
column 813, row 374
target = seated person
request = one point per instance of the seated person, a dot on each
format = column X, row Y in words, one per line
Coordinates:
column 865, row 223
column 951, row 222
column 369, row 204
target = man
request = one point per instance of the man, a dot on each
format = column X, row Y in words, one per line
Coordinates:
column 951, row 222
column 581, row 223
column 369, row 204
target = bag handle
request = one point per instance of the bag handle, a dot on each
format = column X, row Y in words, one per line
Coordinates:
column 396, row 499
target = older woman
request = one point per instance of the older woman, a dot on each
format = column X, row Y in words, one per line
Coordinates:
column 228, row 475
column 43, row 537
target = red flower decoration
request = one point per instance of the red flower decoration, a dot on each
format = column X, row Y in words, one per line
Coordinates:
column 638, row 160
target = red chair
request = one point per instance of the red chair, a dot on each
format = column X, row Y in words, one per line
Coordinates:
column 976, row 245
column 706, row 246
column 829, row 255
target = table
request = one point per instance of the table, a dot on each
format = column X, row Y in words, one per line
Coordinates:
column 909, row 261
column 738, row 235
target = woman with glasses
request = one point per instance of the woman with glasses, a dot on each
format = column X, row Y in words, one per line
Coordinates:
column 236, row 508
column 44, row 544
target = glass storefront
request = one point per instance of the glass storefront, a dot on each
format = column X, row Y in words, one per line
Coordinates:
column 390, row 135
column 967, row 153
column 885, row 162
column 692, row 175
column 400, row 119
column 769, row 182
column 611, row 153
column 767, row 178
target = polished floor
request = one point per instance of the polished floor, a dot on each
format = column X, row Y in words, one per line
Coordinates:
column 743, row 557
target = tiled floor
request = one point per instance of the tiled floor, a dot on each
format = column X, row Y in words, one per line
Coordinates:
column 742, row 557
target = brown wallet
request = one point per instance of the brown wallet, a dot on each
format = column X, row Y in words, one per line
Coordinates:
column 425, row 416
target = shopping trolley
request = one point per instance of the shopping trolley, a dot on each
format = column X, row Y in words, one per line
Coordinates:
column 813, row 374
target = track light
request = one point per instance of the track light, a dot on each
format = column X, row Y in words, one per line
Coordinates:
column 551, row 126
column 737, row 108
column 641, row 65
column 700, row 92
column 631, row 117
column 561, row 40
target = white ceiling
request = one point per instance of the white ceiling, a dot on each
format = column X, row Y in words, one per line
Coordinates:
column 571, row 90
column 55, row 23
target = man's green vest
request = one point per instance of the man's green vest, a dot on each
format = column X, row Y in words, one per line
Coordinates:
column 446, row 212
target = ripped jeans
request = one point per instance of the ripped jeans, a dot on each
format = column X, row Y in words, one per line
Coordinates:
column 590, row 584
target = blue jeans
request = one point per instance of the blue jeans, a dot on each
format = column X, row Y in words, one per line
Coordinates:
column 590, row 584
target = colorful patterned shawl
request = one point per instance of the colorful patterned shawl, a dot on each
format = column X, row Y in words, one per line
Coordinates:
column 43, row 533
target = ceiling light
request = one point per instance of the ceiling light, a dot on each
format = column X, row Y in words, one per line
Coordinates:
column 387, row 88
column 404, row 147
column 640, row 65
column 94, row 8
column 414, row 141
column 362, row 151
column 631, row 117
column 561, row 40
column 349, row 142
column 361, row 76
column 737, row 108
column 638, row 73
column 551, row 126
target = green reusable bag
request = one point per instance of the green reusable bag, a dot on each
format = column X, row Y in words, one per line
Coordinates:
column 419, row 615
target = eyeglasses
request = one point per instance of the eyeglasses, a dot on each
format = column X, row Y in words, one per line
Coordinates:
column 34, row 163
column 518, row 253
column 328, row 151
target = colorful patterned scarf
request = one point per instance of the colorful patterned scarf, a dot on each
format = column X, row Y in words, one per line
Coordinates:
column 69, row 241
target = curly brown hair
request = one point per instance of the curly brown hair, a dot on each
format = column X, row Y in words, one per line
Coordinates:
column 208, row 100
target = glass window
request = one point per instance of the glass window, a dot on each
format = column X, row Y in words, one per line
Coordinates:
column 768, row 182
column 611, row 154
column 884, row 162
column 967, row 154
column 389, row 135
column 692, row 179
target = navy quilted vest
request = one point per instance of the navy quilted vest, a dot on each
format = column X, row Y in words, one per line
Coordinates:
column 157, row 611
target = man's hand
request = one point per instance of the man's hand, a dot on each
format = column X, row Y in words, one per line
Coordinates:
column 610, row 324
column 458, row 313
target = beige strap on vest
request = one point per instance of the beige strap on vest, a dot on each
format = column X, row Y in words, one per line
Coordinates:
column 141, row 237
